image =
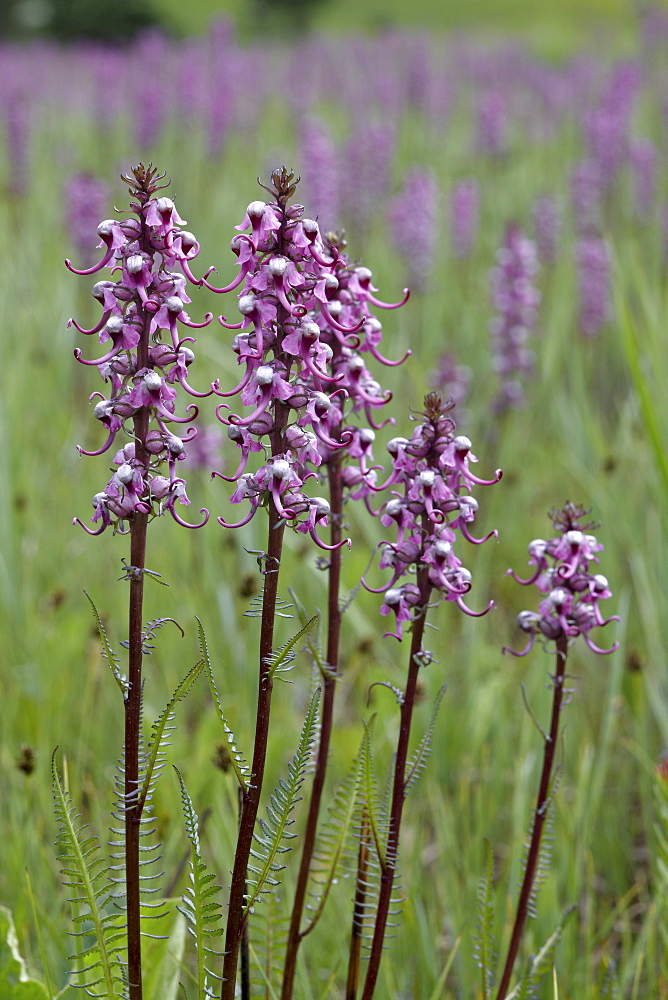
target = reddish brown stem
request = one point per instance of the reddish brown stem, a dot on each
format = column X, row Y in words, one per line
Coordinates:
column 295, row 935
column 388, row 865
column 133, row 810
column 236, row 919
column 540, row 815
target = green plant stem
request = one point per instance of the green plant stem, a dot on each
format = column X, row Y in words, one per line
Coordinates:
column 295, row 936
column 540, row 815
column 388, row 864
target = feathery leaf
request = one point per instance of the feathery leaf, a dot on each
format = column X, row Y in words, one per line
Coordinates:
column 239, row 765
column 202, row 912
column 100, row 969
column 270, row 840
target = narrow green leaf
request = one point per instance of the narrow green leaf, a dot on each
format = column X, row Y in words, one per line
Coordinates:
column 15, row 983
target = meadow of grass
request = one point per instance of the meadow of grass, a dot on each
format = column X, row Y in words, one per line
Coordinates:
column 593, row 429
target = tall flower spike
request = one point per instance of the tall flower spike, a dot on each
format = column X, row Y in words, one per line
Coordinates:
column 306, row 325
column 433, row 468
column 146, row 302
column 562, row 572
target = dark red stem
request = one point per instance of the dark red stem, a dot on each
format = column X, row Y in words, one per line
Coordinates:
column 388, row 865
column 295, row 935
column 540, row 815
column 133, row 809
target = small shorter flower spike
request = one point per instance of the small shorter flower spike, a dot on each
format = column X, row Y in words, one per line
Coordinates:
column 571, row 605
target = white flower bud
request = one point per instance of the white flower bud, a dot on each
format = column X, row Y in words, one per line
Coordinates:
column 152, row 381
column 264, row 375
column 125, row 474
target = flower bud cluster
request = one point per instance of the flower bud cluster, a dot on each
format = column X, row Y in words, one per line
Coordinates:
column 562, row 572
column 433, row 467
column 145, row 354
column 305, row 329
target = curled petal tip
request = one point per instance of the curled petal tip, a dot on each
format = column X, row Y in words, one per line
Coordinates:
column 186, row 524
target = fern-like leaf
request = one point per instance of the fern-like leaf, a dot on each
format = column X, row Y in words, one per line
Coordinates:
column 541, row 963
column 237, row 761
column 202, row 912
column 332, row 845
column 418, row 760
column 280, row 661
column 148, row 633
column 108, row 653
column 100, row 968
column 374, row 815
column 162, row 727
column 271, row 840
column 485, row 945
column 268, row 937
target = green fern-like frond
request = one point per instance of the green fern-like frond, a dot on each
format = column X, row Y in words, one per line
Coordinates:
column 332, row 855
column 159, row 741
column 237, row 760
column 545, row 851
column 256, row 602
column 100, row 962
column 199, row 905
column 109, row 655
column 418, row 760
column 375, row 814
column 268, row 937
column 281, row 660
column 272, row 838
column 541, row 963
column 312, row 643
column 148, row 634
column 485, row 943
